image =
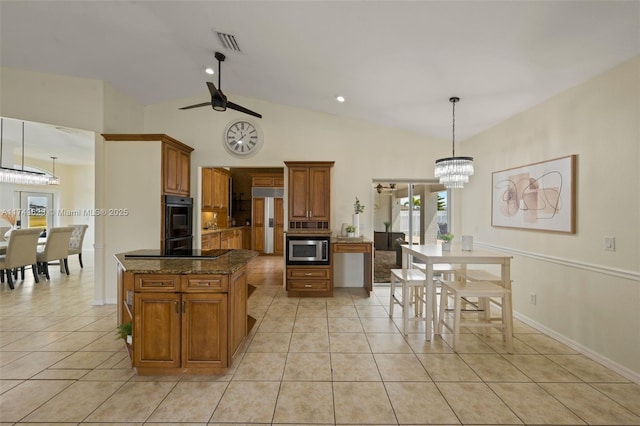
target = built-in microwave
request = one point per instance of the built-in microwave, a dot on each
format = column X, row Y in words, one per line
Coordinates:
column 308, row 250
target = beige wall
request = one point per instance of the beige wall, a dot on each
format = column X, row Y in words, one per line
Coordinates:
column 585, row 294
column 361, row 150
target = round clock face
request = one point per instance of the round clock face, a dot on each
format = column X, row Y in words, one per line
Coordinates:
column 242, row 138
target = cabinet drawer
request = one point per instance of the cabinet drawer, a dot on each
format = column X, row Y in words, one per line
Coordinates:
column 352, row 248
column 205, row 283
column 309, row 273
column 311, row 285
column 156, row 282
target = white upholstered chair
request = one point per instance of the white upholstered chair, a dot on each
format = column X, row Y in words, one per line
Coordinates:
column 21, row 252
column 75, row 243
column 56, row 248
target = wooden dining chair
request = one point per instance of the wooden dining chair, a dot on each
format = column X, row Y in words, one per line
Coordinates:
column 21, row 252
column 56, row 248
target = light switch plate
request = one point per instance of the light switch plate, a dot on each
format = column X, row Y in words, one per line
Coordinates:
column 610, row 243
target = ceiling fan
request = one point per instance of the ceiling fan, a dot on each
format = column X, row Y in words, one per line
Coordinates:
column 218, row 99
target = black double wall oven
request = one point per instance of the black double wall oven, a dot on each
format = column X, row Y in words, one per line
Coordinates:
column 178, row 224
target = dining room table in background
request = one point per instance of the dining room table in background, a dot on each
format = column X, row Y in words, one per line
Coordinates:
column 432, row 254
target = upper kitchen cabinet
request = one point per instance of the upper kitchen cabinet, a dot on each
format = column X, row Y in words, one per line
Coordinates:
column 309, row 194
column 176, row 167
column 216, row 191
column 267, row 181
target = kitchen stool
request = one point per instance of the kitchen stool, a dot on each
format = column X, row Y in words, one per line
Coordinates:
column 483, row 290
column 414, row 291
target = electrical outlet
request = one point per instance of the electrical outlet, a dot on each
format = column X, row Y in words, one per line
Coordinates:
column 610, row 243
column 532, row 298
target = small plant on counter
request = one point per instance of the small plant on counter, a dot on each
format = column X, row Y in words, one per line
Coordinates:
column 387, row 225
column 446, row 237
column 357, row 207
column 123, row 330
column 350, row 229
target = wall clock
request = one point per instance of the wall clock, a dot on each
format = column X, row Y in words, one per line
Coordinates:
column 242, row 138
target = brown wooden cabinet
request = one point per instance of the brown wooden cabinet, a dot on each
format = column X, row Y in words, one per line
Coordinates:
column 210, row 241
column 216, row 185
column 309, row 194
column 185, row 323
column 176, row 169
column 268, row 181
column 309, row 281
column 231, row 238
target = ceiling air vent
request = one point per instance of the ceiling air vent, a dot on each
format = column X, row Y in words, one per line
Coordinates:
column 228, row 41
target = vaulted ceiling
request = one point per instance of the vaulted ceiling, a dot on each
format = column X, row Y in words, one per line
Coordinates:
column 396, row 62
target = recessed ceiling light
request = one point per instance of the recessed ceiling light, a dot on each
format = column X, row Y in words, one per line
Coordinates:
column 340, row 98
column 209, row 70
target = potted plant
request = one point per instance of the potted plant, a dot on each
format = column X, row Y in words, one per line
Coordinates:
column 351, row 231
column 123, row 331
column 387, row 225
column 446, row 241
column 357, row 209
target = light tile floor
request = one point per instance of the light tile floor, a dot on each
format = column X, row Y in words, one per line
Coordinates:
column 339, row 360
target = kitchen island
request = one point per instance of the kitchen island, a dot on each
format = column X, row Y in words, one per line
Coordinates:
column 188, row 314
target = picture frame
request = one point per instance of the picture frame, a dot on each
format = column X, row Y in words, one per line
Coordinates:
column 539, row 196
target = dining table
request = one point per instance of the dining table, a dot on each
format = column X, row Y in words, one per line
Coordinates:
column 433, row 254
column 4, row 244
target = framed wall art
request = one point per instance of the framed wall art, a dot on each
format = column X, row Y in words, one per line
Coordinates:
column 539, row 196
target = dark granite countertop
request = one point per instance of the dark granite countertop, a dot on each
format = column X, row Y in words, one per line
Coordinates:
column 225, row 264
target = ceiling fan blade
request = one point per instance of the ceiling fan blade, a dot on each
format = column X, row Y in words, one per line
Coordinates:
column 212, row 89
column 197, row 105
column 237, row 107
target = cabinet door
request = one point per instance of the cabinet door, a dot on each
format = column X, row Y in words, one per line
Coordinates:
column 170, row 161
column 319, row 193
column 258, row 224
column 184, row 172
column 156, row 330
column 238, row 304
column 204, row 330
column 278, row 226
column 207, row 188
column 176, row 166
column 298, row 193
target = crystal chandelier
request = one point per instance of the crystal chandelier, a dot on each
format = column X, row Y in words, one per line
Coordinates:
column 454, row 171
column 9, row 175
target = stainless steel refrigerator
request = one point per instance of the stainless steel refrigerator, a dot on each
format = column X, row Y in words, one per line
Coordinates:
column 268, row 195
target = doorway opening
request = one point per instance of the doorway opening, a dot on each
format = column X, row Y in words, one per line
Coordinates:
column 406, row 211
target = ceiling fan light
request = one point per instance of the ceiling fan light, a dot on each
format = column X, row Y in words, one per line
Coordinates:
column 209, row 70
column 340, row 99
column 219, row 104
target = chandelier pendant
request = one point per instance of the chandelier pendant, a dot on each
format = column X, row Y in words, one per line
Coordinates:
column 453, row 171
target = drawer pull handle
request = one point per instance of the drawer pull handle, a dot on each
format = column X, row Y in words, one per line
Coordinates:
column 153, row 284
column 307, row 285
column 308, row 274
column 203, row 283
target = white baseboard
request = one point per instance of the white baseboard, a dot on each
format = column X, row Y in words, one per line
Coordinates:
column 620, row 369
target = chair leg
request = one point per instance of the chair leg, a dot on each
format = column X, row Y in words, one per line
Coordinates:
column 10, row 280
column 66, row 266
column 392, row 290
column 1, row 275
column 80, row 259
column 456, row 321
column 406, row 305
column 45, row 266
column 34, row 268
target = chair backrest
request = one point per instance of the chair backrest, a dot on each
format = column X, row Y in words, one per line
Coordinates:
column 57, row 246
column 3, row 230
column 77, row 236
column 21, row 250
